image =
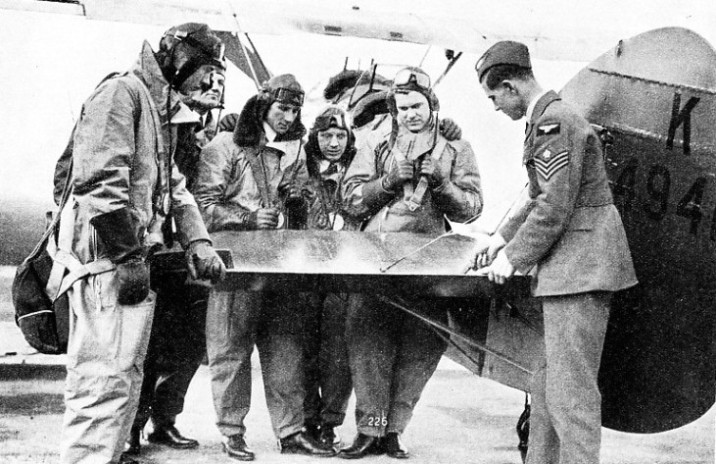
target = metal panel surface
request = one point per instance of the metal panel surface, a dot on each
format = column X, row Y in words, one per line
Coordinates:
column 656, row 95
column 352, row 262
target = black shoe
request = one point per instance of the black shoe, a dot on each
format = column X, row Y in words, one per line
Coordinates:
column 328, row 436
column 124, row 459
column 170, row 436
column 394, row 448
column 133, row 446
column 363, row 445
column 313, row 431
column 235, row 446
column 302, row 443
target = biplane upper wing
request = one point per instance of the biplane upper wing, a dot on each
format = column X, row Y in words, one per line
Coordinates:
column 555, row 29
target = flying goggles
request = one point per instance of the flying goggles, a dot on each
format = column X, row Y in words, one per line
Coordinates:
column 331, row 117
column 411, row 77
column 285, row 95
column 207, row 48
column 211, row 48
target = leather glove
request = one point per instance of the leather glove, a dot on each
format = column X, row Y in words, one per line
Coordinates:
column 121, row 246
column 204, row 263
column 400, row 173
column 263, row 218
column 431, row 170
column 117, row 234
column 291, row 193
column 450, row 130
column 132, row 277
column 228, row 122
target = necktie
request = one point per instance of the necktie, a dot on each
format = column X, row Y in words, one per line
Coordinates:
column 209, row 119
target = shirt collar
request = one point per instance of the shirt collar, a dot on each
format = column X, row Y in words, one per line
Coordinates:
column 185, row 115
column 329, row 167
column 533, row 104
column 270, row 133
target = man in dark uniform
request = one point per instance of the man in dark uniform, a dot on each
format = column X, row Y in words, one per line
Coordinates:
column 570, row 230
column 177, row 344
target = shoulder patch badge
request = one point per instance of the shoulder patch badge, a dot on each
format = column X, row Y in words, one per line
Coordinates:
column 548, row 129
column 548, row 164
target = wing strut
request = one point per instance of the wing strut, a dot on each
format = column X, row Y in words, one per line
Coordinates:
column 264, row 70
column 453, row 59
column 249, row 62
column 456, row 334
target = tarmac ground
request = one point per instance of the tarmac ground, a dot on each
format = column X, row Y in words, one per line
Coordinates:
column 461, row 418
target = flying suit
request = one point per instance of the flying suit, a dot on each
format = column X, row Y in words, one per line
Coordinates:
column 328, row 376
column 392, row 355
column 227, row 192
column 121, row 160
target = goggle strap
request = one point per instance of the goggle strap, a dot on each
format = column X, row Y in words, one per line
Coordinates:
column 295, row 97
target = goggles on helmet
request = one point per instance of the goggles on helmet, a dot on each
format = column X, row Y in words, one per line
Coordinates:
column 207, row 50
column 411, row 77
column 285, row 95
column 332, row 117
column 215, row 52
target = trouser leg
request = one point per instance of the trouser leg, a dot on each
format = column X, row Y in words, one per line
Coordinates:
column 312, row 336
column 575, row 327
column 418, row 356
column 336, row 383
column 279, row 341
column 371, row 352
column 184, row 351
column 146, row 392
column 105, row 358
column 231, row 333
column 543, row 444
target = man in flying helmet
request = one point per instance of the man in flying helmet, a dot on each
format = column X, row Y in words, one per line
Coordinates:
column 126, row 194
column 406, row 177
column 177, row 344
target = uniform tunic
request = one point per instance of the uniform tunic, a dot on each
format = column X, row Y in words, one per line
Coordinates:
column 570, row 230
